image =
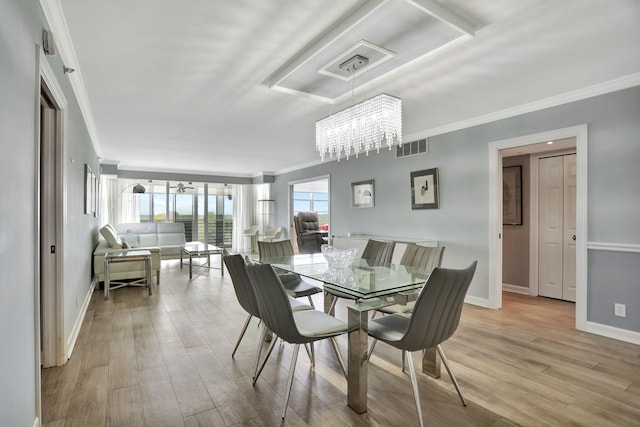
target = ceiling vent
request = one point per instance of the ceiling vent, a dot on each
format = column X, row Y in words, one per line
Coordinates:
column 412, row 148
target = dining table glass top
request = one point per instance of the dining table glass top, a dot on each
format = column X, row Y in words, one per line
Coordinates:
column 359, row 280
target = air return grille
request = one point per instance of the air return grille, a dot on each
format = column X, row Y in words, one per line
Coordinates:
column 412, row 148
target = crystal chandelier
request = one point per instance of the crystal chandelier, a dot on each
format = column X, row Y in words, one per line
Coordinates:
column 368, row 125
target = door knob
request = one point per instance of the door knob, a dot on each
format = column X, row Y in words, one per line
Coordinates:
column 574, row 237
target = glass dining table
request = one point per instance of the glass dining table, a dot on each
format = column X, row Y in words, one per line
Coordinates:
column 370, row 287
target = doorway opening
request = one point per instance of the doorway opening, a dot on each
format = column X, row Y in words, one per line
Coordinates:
column 50, row 216
column 496, row 227
column 538, row 218
column 310, row 195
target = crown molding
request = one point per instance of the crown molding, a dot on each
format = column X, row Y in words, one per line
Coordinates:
column 55, row 18
column 603, row 88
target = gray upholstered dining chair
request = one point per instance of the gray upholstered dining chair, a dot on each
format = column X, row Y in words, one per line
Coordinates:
column 376, row 253
column 295, row 285
column 247, row 299
column 424, row 258
column 434, row 320
column 300, row 327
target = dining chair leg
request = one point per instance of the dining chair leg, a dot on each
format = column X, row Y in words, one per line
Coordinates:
column 414, row 384
column 257, row 372
column 261, row 336
column 334, row 344
column 450, row 372
column 313, row 355
column 403, row 362
column 373, row 345
column 244, row 329
column 294, row 359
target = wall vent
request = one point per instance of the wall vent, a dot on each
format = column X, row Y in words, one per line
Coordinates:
column 412, row 148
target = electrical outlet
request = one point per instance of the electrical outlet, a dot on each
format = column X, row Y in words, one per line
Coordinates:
column 620, row 310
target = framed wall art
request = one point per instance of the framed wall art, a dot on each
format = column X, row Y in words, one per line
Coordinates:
column 512, row 195
column 425, row 192
column 88, row 190
column 362, row 194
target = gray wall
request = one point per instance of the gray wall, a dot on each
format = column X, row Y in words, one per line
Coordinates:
column 515, row 238
column 461, row 223
column 21, row 24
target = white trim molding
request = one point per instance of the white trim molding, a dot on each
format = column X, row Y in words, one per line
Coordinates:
column 73, row 337
column 55, row 18
column 615, row 333
column 603, row 88
column 515, row 289
column 614, row 247
column 480, row 302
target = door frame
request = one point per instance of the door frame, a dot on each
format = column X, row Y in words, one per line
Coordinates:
column 292, row 228
column 52, row 302
column 580, row 133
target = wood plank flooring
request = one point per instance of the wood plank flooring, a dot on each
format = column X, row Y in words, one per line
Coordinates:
column 165, row 360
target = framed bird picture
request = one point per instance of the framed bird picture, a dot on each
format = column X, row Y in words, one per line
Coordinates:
column 425, row 189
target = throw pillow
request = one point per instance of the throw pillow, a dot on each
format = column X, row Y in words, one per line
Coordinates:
column 110, row 236
column 131, row 239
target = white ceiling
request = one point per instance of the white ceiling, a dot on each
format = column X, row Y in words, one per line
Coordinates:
column 184, row 86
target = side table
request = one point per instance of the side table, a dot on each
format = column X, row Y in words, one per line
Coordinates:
column 117, row 256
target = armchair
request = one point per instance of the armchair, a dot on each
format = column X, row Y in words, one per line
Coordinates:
column 308, row 234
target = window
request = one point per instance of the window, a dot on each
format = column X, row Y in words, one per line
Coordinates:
column 188, row 207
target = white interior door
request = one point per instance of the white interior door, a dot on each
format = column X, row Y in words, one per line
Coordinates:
column 557, row 227
column 48, row 245
column 550, row 207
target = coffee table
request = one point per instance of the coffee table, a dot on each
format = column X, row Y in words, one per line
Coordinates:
column 198, row 250
column 117, row 256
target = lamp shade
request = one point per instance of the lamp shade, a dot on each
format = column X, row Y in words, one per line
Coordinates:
column 139, row 189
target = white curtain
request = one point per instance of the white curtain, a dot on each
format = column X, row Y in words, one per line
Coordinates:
column 118, row 204
column 108, row 193
column 243, row 217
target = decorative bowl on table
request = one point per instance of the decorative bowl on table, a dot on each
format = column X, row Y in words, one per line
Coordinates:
column 338, row 257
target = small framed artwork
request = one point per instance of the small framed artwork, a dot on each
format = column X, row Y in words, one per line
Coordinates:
column 425, row 189
column 362, row 194
column 88, row 190
column 512, row 195
column 96, row 209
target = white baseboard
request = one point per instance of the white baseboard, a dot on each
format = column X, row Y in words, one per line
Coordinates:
column 76, row 327
column 615, row 333
column 481, row 302
column 515, row 289
column 36, row 422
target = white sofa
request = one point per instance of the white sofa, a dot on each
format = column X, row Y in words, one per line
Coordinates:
column 163, row 239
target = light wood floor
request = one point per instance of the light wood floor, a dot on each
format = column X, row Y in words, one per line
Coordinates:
column 166, row 360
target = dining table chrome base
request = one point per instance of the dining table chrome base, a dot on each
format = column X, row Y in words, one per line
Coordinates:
column 358, row 345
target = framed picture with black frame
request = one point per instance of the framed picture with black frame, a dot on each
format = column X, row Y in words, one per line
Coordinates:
column 425, row 191
column 512, row 195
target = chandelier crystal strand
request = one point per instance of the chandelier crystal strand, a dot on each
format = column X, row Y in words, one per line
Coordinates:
column 363, row 127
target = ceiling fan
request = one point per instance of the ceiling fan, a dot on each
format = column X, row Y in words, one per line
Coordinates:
column 181, row 188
